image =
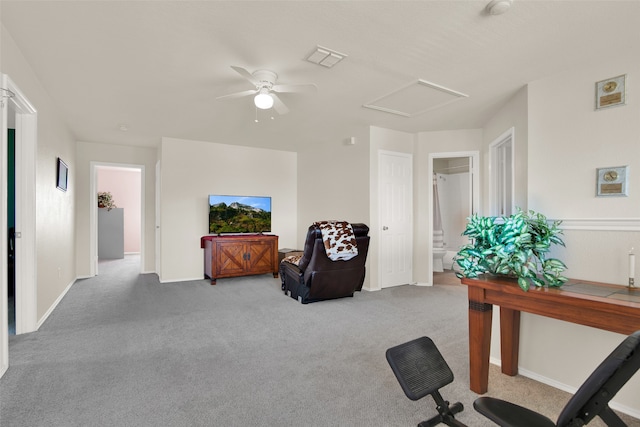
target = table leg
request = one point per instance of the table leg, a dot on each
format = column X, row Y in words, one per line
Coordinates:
column 480, row 316
column 509, row 340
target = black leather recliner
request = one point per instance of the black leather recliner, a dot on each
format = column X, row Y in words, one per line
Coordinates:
column 317, row 278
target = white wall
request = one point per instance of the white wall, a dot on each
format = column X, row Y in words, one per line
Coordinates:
column 567, row 141
column 191, row 170
column 333, row 181
column 333, row 184
column 124, row 186
column 55, row 216
column 86, row 153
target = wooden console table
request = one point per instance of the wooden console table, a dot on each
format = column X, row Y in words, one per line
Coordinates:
column 239, row 255
column 604, row 306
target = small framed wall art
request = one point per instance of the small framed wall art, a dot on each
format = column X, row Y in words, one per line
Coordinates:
column 611, row 92
column 612, row 182
column 62, row 178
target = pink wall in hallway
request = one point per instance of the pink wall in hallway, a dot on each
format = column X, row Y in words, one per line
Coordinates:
column 124, row 185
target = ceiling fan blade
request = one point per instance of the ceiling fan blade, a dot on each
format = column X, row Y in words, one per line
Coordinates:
column 278, row 105
column 247, row 75
column 238, row 94
column 300, row 88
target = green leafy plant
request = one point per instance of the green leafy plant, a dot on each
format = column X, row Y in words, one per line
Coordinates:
column 516, row 246
column 105, row 200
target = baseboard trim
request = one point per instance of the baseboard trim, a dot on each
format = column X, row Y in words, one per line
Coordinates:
column 423, row 284
column 54, row 305
column 183, row 280
column 564, row 387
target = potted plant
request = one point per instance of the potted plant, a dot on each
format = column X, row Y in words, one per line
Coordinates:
column 515, row 246
column 105, row 200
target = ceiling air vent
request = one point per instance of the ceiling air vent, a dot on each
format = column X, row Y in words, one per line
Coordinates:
column 325, row 57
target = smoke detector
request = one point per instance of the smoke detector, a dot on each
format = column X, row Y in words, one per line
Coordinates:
column 498, row 7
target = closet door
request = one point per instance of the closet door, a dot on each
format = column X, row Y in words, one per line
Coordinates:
column 395, row 207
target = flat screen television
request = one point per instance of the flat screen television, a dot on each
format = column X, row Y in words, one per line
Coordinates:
column 239, row 214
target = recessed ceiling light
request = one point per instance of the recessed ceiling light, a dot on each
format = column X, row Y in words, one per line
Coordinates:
column 123, row 127
column 498, row 7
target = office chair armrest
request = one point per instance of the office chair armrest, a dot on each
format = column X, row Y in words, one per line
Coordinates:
column 508, row 414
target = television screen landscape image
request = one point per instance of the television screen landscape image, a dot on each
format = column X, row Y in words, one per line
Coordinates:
column 239, row 214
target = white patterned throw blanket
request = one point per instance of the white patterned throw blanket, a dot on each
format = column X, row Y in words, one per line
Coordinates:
column 339, row 240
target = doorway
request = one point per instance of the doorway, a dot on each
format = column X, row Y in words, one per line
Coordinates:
column 19, row 114
column 11, row 227
column 125, row 182
column 501, row 185
column 454, row 195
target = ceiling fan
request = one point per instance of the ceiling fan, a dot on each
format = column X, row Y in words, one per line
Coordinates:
column 266, row 89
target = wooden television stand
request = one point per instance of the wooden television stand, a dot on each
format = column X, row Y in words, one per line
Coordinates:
column 239, row 255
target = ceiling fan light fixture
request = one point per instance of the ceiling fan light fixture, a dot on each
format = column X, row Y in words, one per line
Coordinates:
column 263, row 100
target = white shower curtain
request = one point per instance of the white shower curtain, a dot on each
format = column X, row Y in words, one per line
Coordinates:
column 438, row 233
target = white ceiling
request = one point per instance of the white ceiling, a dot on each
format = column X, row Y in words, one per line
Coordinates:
column 157, row 66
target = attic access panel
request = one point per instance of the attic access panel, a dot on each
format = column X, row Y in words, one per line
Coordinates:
column 415, row 98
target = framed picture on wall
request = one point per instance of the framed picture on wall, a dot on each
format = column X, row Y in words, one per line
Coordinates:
column 62, row 175
column 611, row 92
column 612, row 181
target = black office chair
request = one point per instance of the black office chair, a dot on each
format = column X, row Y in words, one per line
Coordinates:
column 421, row 370
column 591, row 399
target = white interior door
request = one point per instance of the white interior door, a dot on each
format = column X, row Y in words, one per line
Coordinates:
column 24, row 118
column 395, row 207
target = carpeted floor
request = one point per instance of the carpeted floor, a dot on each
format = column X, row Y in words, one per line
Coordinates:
column 122, row 349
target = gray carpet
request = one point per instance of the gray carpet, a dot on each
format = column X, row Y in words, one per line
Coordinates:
column 122, row 349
